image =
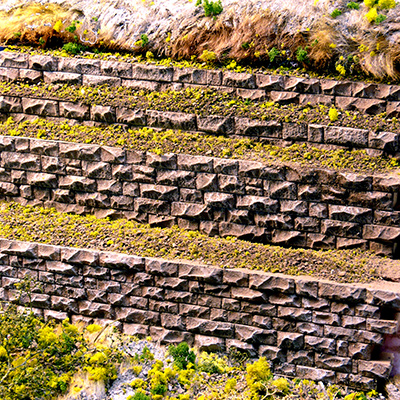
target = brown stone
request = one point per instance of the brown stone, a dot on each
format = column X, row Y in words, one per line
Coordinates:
column 342, row 364
column 323, row 345
column 212, row 328
column 290, row 340
column 315, row 374
column 375, row 369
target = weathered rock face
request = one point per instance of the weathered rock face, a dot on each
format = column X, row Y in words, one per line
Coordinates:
column 306, row 329
column 313, row 208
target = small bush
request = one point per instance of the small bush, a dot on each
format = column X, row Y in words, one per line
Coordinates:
column 139, row 396
column 212, row 364
column 272, row 54
column 386, row 4
column 159, row 389
column 72, row 27
column 353, row 5
column 333, row 114
column 335, row 13
column 372, row 15
column 211, row 8
column 182, row 355
column 302, row 55
column 208, row 57
column 73, row 48
column 380, row 18
column 144, row 40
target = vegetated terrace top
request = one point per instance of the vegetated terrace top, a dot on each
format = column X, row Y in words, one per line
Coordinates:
column 232, row 65
column 34, row 224
column 202, row 102
column 172, row 141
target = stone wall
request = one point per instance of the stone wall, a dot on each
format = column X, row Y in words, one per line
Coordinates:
column 282, row 205
column 308, row 329
column 364, row 97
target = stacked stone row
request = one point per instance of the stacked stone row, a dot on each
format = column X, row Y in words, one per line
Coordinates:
column 366, row 98
column 283, row 205
column 307, row 329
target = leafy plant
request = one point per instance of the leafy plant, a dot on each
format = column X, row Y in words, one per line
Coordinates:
column 302, row 55
column 211, row 8
column 58, row 26
column 335, row 13
column 212, row 364
column 139, row 396
column 182, row 355
column 71, row 28
column 273, row 53
column 208, row 56
column 386, row 4
column 372, row 15
column 144, row 40
column 38, row 360
column 380, row 18
column 352, row 5
column 73, row 48
column 333, row 114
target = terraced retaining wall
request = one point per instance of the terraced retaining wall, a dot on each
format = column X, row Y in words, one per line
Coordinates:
column 364, row 97
column 283, row 205
column 308, row 329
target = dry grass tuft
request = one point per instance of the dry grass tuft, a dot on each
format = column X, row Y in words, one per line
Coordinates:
column 33, row 24
column 245, row 31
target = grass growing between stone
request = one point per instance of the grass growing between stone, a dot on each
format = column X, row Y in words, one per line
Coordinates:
column 36, row 224
column 170, row 141
column 202, row 102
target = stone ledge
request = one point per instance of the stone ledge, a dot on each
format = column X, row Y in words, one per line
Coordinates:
column 214, row 308
column 335, row 137
column 239, row 198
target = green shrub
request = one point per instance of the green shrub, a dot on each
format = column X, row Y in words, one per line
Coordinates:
column 212, row 364
column 272, row 54
column 211, row 8
column 335, row 13
column 72, row 27
column 38, row 359
column 144, row 40
column 380, row 18
column 73, row 48
column 159, row 389
column 182, row 355
column 353, row 5
column 302, row 55
column 139, row 396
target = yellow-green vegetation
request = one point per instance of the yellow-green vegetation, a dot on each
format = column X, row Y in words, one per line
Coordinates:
column 44, row 360
column 36, row 224
column 203, row 102
column 170, row 141
column 233, row 376
column 207, row 60
column 39, row 360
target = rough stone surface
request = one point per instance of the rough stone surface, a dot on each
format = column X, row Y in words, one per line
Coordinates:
column 327, row 331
